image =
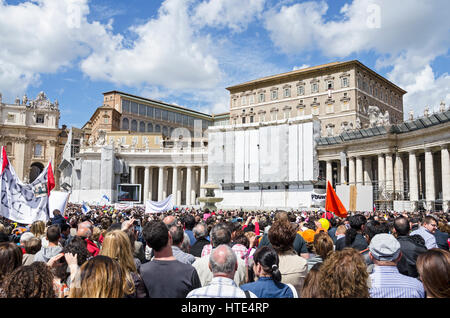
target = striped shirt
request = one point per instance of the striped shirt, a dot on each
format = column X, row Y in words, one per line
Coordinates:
column 219, row 287
column 387, row 282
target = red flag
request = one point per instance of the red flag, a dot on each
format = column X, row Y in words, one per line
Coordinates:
column 50, row 178
column 4, row 159
column 333, row 204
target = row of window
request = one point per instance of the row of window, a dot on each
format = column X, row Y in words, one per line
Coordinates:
column 161, row 114
column 250, row 99
column 145, row 127
column 379, row 92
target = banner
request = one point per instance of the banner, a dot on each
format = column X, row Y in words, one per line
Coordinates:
column 24, row 203
column 161, row 206
column 123, row 206
column 57, row 201
column 318, row 199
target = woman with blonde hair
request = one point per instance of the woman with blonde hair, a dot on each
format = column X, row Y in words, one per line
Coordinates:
column 39, row 231
column 117, row 245
column 344, row 275
column 99, row 277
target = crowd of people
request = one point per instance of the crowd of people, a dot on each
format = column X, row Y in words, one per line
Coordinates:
column 194, row 253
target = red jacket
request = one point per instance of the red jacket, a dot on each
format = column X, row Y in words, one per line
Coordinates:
column 92, row 247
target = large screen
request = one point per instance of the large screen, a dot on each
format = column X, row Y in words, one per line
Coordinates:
column 129, row 193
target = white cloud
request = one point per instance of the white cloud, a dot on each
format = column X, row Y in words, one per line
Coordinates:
column 235, row 14
column 43, row 37
column 167, row 52
column 407, row 35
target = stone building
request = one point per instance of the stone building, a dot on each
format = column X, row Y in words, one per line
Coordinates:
column 29, row 129
column 406, row 162
column 136, row 140
column 342, row 95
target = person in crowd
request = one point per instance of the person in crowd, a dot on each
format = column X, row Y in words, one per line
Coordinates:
column 38, row 229
column 10, row 258
column 99, row 277
column 354, row 235
column 372, row 228
column 343, row 275
column 117, row 245
column 165, row 276
column 427, row 230
column 32, row 246
column 25, row 237
column 410, row 248
column 32, row 281
column 340, row 233
column 223, row 264
column 268, row 285
column 64, row 272
column 58, row 219
column 65, row 232
column 299, row 243
column 177, row 240
column 53, row 248
column 442, row 236
column 333, row 228
column 85, row 230
column 434, row 272
column 293, row 267
column 200, row 234
column 322, row 248
column 220, row 234
column 386, row 281
column 189, row 223
column 311, row 285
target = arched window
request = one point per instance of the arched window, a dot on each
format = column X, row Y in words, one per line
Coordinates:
column 125, row 124
column 165, row 131
column 157, row 128
column 149, row 127
column 36, row 170
column 141, row 126
column 133, row 125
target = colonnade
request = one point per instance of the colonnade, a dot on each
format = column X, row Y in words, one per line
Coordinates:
column 158, row 182
column 410, row 175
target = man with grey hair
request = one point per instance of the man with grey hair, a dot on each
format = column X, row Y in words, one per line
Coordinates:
column 200, row 233
column 223, row 264
column 220, row 234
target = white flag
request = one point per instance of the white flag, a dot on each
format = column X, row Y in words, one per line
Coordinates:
column 24, row 203
column 158, row 207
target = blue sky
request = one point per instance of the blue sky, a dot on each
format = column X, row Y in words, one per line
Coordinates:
column 187, row 52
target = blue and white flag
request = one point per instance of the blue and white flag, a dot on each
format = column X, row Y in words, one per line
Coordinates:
column 85, row 208
column 161, row 206
column 105, row 200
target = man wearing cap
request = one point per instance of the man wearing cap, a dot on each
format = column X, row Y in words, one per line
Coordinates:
column 386, row 280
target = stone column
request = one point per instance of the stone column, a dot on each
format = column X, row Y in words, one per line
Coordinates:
column 445, row 163
column 429, row 179
column 180, row 186
column 202, row 180
column 188, row 185
column 146, row 183
column 133, row 174
column 175, row 185
column 381, row 176
column 351, row 171
column 398, row 180
column 368, row 171
column 160, row 183
column 165, row 182
column 343, row 177
column 193, row 185
column 359, row 170
column 413, row 180
column 389, row 173
column 329, row 174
